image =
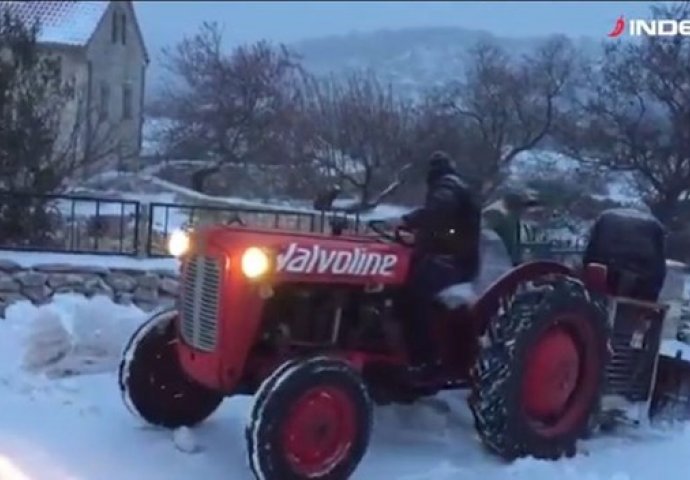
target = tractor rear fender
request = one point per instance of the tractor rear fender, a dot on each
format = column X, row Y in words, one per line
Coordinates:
column 488, row 303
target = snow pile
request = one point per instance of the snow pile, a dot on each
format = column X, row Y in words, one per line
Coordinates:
column 72, row 335
column 185, row 440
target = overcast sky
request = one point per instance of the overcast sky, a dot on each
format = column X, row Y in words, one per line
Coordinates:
column 165, row 22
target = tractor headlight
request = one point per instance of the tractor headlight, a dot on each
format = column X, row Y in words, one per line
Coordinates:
column 255, row 262
column 178, row 243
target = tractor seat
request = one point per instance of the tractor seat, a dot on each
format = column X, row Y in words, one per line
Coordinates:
column 495, row 262
column 458, row 295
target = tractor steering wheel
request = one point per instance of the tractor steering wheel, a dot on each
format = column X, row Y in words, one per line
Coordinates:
column 379, row 228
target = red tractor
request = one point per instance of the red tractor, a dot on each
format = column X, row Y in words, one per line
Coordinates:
column 306, row 322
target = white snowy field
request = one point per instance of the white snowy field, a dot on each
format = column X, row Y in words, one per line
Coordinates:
column 76, row 428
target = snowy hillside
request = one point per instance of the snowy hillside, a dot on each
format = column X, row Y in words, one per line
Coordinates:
column 77, row 428
column 411, row 59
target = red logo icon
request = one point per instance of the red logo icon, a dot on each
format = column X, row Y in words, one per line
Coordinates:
column 618, row 28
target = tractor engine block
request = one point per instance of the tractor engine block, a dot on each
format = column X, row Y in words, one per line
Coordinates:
column 327, row 316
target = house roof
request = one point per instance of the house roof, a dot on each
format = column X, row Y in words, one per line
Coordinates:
column 63, row 22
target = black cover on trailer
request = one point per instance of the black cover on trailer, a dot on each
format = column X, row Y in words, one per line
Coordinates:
column 632, row 245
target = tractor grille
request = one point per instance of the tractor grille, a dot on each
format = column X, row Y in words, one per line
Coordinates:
column 635, row 342
column 199, row 300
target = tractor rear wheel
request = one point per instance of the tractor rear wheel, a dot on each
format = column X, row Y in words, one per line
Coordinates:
column 152, row 382
column 312, row 420
column 540, row 372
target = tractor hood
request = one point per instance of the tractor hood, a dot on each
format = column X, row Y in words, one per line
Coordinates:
column 313, row 257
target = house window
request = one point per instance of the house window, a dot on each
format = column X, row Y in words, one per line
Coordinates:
column 104, row 104
column 114, row 29
column 123, row 28
column 126, row 102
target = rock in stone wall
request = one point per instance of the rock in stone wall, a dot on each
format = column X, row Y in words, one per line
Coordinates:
column 146, row 289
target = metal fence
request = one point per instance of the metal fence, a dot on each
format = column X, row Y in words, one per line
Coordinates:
column 98, row 225
column 570, row 254
column 68, row 223
column 162, row 218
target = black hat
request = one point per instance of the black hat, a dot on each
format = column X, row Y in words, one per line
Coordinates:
column 439, row 164
column 440, row 160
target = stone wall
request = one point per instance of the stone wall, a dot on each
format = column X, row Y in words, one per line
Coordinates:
column 147, row 289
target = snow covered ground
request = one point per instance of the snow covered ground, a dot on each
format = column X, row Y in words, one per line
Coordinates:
column 76, row 428
column 33, row 259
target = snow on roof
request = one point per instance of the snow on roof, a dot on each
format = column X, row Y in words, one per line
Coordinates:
column 66, row 22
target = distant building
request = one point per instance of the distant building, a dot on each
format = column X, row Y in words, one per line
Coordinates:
column 102, row 51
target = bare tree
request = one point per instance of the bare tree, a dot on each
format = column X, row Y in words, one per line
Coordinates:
column 231, row 107
column 632, row 115
column 360, row 132
column 501, row 108
column 47, row 134
column 87, row 142
column 43, row 118
column 32, row 98
column 42, row 132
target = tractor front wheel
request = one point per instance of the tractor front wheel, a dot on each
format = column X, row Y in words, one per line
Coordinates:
column 152, row 382
column 312, row 420
column 540, row 371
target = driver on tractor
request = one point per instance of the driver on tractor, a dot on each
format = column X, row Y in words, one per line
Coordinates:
column 447, row 232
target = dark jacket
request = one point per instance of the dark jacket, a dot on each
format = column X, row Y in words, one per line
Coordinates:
column 449, row 223
column 628, row 240
column 627, row 234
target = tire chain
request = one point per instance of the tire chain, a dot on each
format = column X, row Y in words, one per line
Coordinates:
column 493, row 365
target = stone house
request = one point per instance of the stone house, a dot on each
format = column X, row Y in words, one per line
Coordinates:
column 102, row 51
